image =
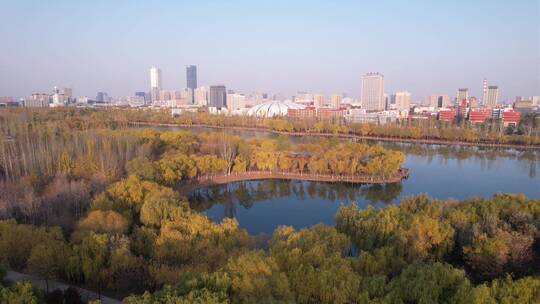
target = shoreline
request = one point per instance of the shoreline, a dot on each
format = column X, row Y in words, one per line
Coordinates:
column 205, row 181
column 343, row 136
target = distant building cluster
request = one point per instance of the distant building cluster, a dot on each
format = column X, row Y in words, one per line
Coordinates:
column 373, row 106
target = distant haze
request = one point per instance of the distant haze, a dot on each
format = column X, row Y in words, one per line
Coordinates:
column 279, row 47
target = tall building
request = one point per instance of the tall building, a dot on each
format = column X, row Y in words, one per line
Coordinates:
column 373, row 92
column 403, row 100
column 336, row 101
column 191, row 77
column 201, row 96
column 217, row 96
column 491, row 97
column 439, row 101
column 462, row 94
column 318, row 101
column 191, row 80
column 155, row 83
column 484, row 91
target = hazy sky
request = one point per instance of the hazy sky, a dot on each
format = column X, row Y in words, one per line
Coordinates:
column 425, row 47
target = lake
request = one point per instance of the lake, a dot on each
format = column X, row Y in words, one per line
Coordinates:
column 442, row 172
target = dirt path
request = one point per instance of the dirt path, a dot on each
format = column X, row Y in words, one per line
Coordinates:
column 38, row 282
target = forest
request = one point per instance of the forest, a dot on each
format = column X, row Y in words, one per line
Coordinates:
column 87, row 200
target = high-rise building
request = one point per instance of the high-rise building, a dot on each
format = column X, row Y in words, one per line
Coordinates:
column 462, row 94
column 201, row 96
column 336, row 101
column 191, row 77
column 491, row 97
column 403, row 100
column 217, row 96
column 318, row 101
column 155, row 83
column 373, row 92
column 484, row 91
column 439, row 101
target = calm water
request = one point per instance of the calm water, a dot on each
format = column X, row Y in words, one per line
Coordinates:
column 440, row 171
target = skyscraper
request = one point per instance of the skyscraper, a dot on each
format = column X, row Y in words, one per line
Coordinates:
column 373, row 92
column 217, row 96
column 462, row 94
column 491, row 97
column 155, row 83
column 403, row 100
column 191, row 77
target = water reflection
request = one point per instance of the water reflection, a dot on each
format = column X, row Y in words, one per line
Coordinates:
column 246, row 194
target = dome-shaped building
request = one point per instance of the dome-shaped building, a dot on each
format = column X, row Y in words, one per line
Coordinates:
column 273, row 108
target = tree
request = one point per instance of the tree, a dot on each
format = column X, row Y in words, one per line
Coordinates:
column 48, row 259
column 256, row 278
column 98, row 221
column 19, row 293
column 430, row 283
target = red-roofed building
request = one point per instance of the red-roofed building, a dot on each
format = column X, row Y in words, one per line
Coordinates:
column 447, row 115
column 479, row 116
column 511, row 118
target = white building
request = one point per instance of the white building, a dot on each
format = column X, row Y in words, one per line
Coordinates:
column 155, row 83
column 535, row 100
column 373, row 92
column 201, row 96
column 187, row 95
column 383, row 117
column 403, row 100
column 236, row 101
column 273, row 108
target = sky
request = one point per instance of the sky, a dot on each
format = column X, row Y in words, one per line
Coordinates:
column 280, row 47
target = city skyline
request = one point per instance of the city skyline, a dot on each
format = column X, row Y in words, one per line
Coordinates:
column 280, row 49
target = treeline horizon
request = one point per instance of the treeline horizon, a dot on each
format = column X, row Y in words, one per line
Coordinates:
column 490, row 132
